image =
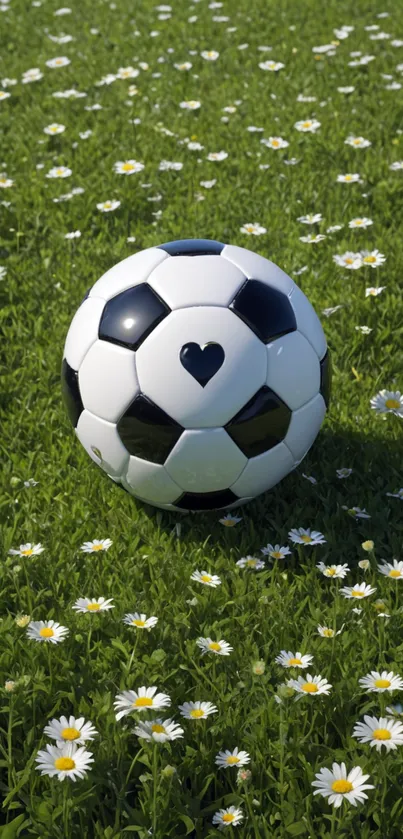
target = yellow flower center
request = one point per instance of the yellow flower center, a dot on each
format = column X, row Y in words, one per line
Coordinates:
column 342, row 786
column 382, row 683
column 93, row 607
column 328, row 632
column 59, row 61
column 206, row 578
column 70, row 734
column 197, row 713
column 392, row 403
column 27, row 552
column 358, row 221
column 64, row 763
column 232, row 759
column 348, row 260
column 107, row 204
column 157, row 728
column 369, row 259
column 348, row 178
column 275, row 143
column 306, row 124
column 382, row 734
column 138, row 622
column 309, row 687
column 229, row 522
column 292, row 661
column 143, row 702
column 127, row 167
column 46, row 632
column 395, row 573
column 97, row 547
column 251, row 562
column 357, row 141
column 214, row 646
column 228, row 817
column 277, row 555
column 330, row 572
column 306, row 538
column 357, row 593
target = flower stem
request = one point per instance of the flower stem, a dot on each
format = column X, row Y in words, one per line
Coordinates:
column 155, row 757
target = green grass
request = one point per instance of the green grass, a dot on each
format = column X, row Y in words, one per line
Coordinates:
column 148, row 567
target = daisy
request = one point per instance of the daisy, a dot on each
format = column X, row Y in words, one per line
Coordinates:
column 217, row 155
column 395, row 571
column 348, row 89
column 379, row 732
column 275, row 143
column 5, row 183
column 108, row 206
column 141, row 700
column 58, row 62
column 96, row 545
column 309, row 684
column 388, row 401
column 69, row 761
column 218, row 647
column 256, row 229
column 190, row 104
column 28, row 550
column 127, row 167
column 378, row 682
column 356, row 512
column 396, row 710
column 289, row 659
column 206, row 578
column 224, row 818
column 349, row 259
column 334, row 228
column 197, row 710
column 49, row 631
column 127, row 73
column 331, row 310
column 210, row 55
column 4, row 94
column 83, row 604
column 398, row 164
column 65, row 730
column 364, row 329
column 54, row 128
column 271, row 65
column 359, row 590
column 141, row 621
column 310, row 218
column 59, row 172
column 187, row 65
column 359, row 222
column 337, row 571
column 310, row 125
column 336, row 785
column 374, row 291
column 306, row 537
column 251, row 562
column 364, row 564
column 373, row 258
column 229, row 520
column 358, row 142
column 311, row 239
column 347, row 179
column 397, row 494
column 75, row 234
column 276, row 552
column 327, row 632
column 159, row 730
column 33, row 75
column 235, row 758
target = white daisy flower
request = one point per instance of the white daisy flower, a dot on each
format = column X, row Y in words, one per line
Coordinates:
column 141, row 700
column 271, row 65
column 394, row 571
column 364, row 329
column 310, row 218
column 4, row 95
column 397, row 494
column 206, row 578
column 388, row 401
column 229, row 520
column 334, row 228
column 327, row 632
column 158, row 730
column 108, row 206
column 305, row 125
column 349, row 259
column 54, row 128
column 344, row 472
column 33, row 75
column 127, row 73
column 379, row 732
column 190, row 104
column 235, row 758
column 373, row 291
column 306, row 537
column 308, row 684
column 251, row 562
column 62, row 61
column 210, row 55
column 65, row 730
column 379, row 682
column 187, row 65
column 356, row 512
column 348, row 179
column 218, row 647
column 48, row 631
column 359, row 222
column 358, row 142
column 84, row 604
column 311, row 239
column 69, row 761
column 59, row 172
column 28, row 550
column 226, row 817
column 255, row 229
column 217, row 155
column 127, row 167
column 197, row 710
column 289, row 659
column 276, row 552
column 141, row 621
column 337, row 571
column 359, row 590
column 373, row 258
column 5, row 183
column 336, row 785
column 398, row 164
column 96, row 545
column 275, row 143
column 347, row 89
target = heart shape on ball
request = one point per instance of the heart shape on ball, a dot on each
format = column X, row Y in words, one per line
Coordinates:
column 202, row 362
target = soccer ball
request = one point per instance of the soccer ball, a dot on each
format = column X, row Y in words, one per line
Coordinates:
column 196, row 374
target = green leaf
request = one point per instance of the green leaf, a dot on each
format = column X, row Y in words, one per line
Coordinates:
column 296, row 829
column 187, row 822
column 9, row 831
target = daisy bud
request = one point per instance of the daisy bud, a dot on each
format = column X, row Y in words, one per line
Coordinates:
column 168, row 771
column 379, row 605
column 243, row 775
column 368, row 545
column 364, row 563
column 14, row 481
column 22, row 620
column 258, row 668
column 9, row 686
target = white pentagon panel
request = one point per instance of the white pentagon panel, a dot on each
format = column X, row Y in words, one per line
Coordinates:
column 129, row 272
column 264, row 471
column 308, row 322
column 107, row 380
column 95, row 433
column 83, row 331
column 196, row 281
column 163, row 378
column 293, row 370
column 151, row 481
column 256, row 267
column 205, row 461
column 304, row 427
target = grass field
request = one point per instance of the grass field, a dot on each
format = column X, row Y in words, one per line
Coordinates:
column 190, row 92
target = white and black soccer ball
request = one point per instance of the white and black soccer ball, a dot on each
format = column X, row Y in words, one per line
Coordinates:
column 196, row 374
